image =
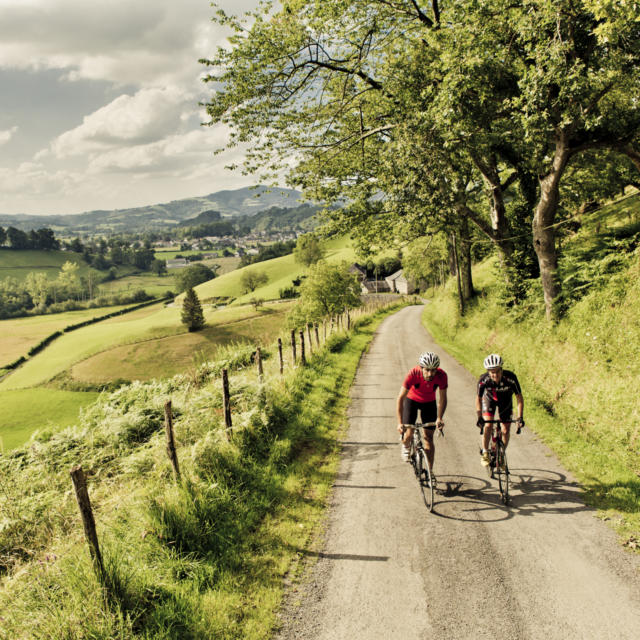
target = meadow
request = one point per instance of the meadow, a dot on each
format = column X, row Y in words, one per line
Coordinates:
column 18, row 264
column 280, row 272
column 18, row 335
column 200, row 558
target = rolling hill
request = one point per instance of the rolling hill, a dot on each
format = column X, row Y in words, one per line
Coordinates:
column 239, row 202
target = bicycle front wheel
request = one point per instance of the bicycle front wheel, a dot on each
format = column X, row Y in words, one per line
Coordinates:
column 502, row 471
column 425, row 479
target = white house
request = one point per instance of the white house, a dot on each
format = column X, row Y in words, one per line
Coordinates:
column 178, row 263
column 399, row 284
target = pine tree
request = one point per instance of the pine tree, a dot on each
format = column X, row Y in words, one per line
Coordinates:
column 192, row 315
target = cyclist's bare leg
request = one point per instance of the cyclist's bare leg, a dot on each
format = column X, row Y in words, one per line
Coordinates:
column 486, row 435
column 408, row 437
column 506, row 432
column 429, row 447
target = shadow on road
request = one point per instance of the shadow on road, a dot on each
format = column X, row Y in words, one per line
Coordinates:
column 533, row 492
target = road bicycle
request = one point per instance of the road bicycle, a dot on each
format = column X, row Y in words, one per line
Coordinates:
column 420, row 463
column 498, row 456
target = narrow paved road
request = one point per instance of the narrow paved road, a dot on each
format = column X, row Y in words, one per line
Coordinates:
column 544, row 568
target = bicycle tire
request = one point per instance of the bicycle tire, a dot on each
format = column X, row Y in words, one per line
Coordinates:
column 426, row 482
column 502, row 471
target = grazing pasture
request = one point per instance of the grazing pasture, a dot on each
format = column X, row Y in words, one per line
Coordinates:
column 170, row 355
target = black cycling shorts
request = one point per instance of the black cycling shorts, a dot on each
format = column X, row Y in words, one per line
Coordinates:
column 505, row 409
column 428, row 411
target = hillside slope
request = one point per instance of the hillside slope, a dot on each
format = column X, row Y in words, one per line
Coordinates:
column 579, row 377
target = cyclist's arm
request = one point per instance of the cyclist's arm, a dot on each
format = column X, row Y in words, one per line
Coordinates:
column 442, row 403
column 400, row 404
column 478, row 406
column 520, row 405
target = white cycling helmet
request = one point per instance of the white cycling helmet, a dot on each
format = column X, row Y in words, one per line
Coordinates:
column 492, row 361
column 429, row 360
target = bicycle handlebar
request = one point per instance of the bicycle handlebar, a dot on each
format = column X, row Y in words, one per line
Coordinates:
column 424, row 425
column 493, row 421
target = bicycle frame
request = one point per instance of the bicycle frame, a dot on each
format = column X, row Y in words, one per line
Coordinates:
column 498, row 456
column 418, row 457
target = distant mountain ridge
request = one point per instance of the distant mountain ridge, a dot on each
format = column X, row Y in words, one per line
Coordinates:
column 246, row 201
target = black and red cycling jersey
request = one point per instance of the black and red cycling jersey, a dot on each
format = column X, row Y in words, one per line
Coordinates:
column 498, row 393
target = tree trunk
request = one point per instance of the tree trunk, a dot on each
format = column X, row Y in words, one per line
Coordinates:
column 464, row 254
column 544, row 234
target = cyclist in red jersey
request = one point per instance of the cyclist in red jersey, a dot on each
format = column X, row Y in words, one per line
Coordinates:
column 418, row 392
column 496, row 389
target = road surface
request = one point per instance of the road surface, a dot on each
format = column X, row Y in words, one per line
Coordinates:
column 545, row 567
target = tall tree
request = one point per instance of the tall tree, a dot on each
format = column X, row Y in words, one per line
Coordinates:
column 308, row 249
column 371, row 95
column 192, row 315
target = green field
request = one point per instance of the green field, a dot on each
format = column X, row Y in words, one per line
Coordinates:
column 155, row 286
column 18, row 335
column 18, row 264
column 150, row 322
column 168, row 356
column 25, row 411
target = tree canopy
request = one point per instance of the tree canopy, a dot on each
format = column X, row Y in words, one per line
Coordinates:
column 193, row 275
column 308, row 249
column 417, row 114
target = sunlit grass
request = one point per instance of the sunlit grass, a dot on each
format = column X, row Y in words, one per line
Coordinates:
column 18, row 335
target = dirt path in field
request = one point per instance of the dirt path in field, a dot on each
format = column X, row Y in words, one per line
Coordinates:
column 544, row 568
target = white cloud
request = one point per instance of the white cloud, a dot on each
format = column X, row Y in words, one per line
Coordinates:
column 124, row 42
column 142, row 147
column 149, row 115
column 7, row 134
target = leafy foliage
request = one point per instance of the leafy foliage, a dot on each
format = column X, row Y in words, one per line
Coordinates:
column 192, row 276
column 251, row 279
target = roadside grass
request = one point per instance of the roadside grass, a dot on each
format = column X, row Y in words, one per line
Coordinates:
column 18, row 335
column 579, row 378
column 202, row 558
column 24, row 412
column 280, row 271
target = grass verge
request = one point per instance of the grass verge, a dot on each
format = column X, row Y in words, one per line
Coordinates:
column 578, row 380
column 204, row 557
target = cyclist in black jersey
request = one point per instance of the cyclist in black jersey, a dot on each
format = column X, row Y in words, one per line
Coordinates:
column 496, row 389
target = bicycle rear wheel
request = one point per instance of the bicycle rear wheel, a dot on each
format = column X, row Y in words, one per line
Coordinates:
column 425, row 479
column 502, row 471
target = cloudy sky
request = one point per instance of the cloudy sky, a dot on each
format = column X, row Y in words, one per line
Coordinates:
column 99, row 104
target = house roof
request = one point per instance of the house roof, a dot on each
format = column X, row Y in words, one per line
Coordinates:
column 395, row 276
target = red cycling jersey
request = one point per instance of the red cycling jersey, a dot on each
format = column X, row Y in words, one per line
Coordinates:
column 422, row 390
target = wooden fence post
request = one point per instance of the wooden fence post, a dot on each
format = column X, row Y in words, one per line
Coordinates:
column 315, row 326
column 280, row 355
column 171, row 443
column 84, row 504
column 303, row 360
column 348, row 320
column 309, row 338
column 293, row 346
column 226, row 402
column 259, row 359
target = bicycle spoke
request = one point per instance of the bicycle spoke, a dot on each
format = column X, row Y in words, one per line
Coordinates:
column 503, row 471
column 426, row 484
